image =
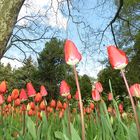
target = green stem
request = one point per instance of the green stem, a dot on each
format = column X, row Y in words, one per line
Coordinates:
column 68, row 114
column 24, row 113
column 132, row 102
column 80, row 102
column 45, row 108
column 2, row 114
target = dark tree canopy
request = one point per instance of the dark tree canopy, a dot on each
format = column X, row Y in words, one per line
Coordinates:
column 51, row 66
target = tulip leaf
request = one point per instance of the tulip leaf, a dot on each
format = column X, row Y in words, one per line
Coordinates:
column 31, row 127
column 59, row 135
column 133, row 132
column 74, row 133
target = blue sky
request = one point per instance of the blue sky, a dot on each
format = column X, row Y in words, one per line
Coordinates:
column 94, row 13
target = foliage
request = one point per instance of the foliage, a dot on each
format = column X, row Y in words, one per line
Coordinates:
column 51, row 70
column 116, row 79
column 86, row 87
column 6, row 73
column 100, row 125
column 128, row 23
column 134, row 65
column 51, row 66
column 24, row 74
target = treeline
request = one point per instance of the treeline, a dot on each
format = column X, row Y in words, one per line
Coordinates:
column 49, row 71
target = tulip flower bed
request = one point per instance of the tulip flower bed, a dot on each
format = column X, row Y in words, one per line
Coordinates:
column 34, row 119
column 25, row 114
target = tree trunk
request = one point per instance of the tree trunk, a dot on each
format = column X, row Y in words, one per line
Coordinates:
column 9, row 10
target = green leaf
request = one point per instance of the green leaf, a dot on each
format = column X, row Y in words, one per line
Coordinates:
column 59, row 135
column 74, row 133
column 31, row 127
column 133, row 132
column 44, row 124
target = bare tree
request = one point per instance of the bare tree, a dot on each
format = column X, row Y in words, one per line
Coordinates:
column 78, row 14
column 9, row 12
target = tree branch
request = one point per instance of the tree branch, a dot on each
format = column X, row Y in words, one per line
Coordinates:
column 111, row 23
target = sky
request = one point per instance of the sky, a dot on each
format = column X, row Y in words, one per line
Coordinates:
column 97, row 18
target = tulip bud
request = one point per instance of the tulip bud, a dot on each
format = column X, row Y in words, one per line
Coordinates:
column 3, row 87
column 98, row 86
column 110, row 96
column 42, row 105
column 1, row 99
column 72, row 55
column 23, row 95
column 65, row 105
column 117, row 58
column 52, row 103
column 69, row 97
column 95, row 95
column 43, row 91
column 9, row 99
column 30, row 90
column 91, row 106
column 38, row 97
column 15, row 94
column 64, row 88
column 76, row 96
column 121, row 108
column 17, row 102
column 135, row 90
column 59, row 105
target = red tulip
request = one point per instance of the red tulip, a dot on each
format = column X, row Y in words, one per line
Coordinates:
column 59, row 105
column 88, row 110
column 9, row 99
column 42, row 105
column 30, row 90
column 23, row 95
column 43, row 91
column 52, row 103
column 31, row 106
column 39, row 114
column 17, row 102
column 3, row 87
column 69, row 97
column 117, row 58
column 31, row 112
column 1, row 99
column 50, row 109
column 72, row 56
column 23, row 107
column 65, row 105
column 110, row 96
column 109, row 109
column 38, row 97
column 121, row 108
column 91, row 106
column 15, row 94
column 76, row 96
column 135, row 90
column 64, row 88
column 98, row 86
column 61, row 114
column 96, row 95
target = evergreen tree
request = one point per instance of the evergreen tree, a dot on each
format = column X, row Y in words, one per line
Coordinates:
column 52, row 68
column 24, row 74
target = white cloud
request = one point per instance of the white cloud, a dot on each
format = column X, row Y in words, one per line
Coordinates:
column 91, row 71
column 13, row 63
column 52, row 17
